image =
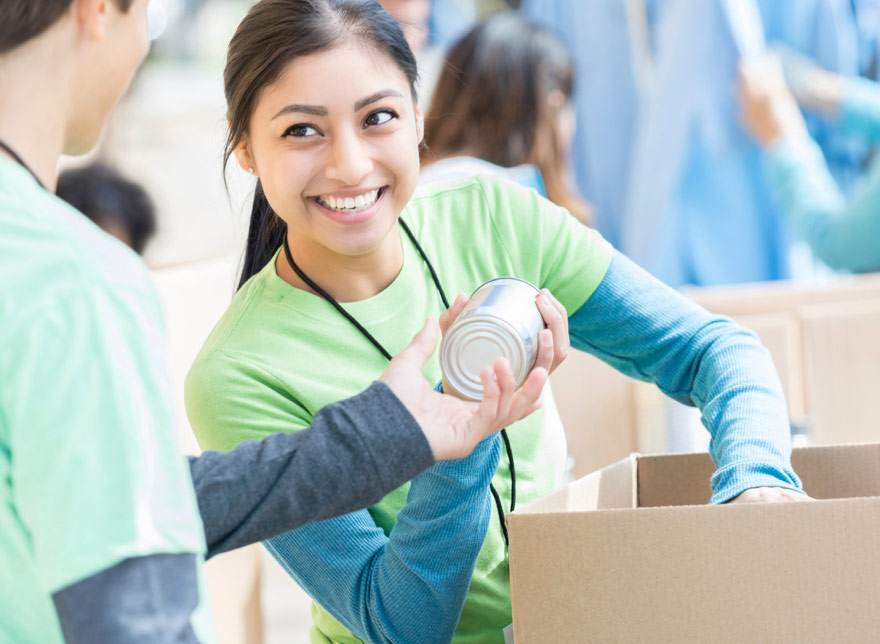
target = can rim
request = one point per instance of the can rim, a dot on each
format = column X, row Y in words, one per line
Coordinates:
column 507, row 278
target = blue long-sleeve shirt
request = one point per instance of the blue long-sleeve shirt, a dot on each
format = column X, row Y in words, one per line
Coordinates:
column 410, row 585
column 843, row 232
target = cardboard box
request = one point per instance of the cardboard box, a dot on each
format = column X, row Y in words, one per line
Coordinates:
column 631, row 554
column 597, row 408
column 784, row 296
column 841, row 355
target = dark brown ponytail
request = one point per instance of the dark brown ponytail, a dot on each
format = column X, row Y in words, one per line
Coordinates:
column 265, row 236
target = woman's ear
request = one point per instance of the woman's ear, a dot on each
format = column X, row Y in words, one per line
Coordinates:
column 420, row 124
column 242, row 154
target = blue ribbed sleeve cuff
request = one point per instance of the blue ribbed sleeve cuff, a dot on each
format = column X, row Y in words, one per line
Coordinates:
column 732, row 480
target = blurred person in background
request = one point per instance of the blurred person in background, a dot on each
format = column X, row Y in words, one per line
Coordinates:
column 118, row 206
column 843, row 231
column 660, row 151
column 502, row 105
column 430, row 26
column 414, row 17
column 103, row 523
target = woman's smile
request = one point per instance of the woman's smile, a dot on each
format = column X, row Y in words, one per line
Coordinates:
column 350, row 207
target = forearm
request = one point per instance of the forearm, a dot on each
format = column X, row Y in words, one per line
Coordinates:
column 354, row 453
column 408, row 587
column 841, row 232
column 142, row 600
column 859, row 110
column 649, row 331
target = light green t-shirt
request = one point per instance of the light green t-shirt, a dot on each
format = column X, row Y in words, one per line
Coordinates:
column 280, row 354
column 90, row 473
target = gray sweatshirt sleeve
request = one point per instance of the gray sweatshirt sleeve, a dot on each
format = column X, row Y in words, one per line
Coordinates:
column 142, row 600
column 354, row 452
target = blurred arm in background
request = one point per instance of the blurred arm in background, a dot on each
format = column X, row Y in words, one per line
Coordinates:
column 842, row 231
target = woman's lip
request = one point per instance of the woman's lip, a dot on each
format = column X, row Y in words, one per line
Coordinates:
column 351, row 218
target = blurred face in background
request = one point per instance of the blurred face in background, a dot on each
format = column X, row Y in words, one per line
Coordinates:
column 413, row 16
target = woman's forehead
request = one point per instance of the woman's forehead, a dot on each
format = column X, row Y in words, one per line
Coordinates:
column 347, row 71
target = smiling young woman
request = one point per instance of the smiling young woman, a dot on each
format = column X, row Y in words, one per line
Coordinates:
column 338, row 166
column 345, row 259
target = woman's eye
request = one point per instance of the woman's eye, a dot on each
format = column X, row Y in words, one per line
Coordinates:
column 379, row 117
column 300, row 131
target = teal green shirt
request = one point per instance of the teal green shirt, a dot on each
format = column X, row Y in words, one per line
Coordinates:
column 90, row 473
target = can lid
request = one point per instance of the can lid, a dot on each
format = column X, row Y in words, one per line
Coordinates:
column 477, row 343
column 510, row 281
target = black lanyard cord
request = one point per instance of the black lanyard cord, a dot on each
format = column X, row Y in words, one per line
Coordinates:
column 19, row 161
column 369, row 336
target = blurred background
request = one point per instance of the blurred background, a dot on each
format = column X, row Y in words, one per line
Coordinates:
column 725, row 145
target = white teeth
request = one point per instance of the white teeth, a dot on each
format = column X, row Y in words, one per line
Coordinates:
column 353, row 204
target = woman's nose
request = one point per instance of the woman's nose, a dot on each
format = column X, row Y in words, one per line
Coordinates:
column 349, row 159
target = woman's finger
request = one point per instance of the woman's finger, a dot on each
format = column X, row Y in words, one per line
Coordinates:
column 544, row 359
column 556, row 319
column 528, row 398
column 507, row 386
column 449, row 315
column 487, row 412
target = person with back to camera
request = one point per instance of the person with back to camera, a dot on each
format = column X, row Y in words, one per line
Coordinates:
column 502, row 105
column 346, row 258
column 843, row 232
column 103, row 524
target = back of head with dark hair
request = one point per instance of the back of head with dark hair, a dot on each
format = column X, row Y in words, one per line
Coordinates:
column 21, row 20
column 111, row 201
column 491, row 101
column 272, row 35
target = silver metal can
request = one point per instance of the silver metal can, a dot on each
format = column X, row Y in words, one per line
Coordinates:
column 500, row 319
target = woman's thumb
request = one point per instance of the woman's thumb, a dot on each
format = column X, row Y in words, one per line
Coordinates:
column 423, row 345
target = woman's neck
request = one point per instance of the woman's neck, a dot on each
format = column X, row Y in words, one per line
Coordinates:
column 344, row 278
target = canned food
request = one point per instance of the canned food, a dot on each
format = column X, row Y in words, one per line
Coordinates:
column 501, row 319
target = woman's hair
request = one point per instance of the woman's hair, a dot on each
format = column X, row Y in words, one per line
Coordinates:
column 21, row 20
column 272, row 35
column 492, row 102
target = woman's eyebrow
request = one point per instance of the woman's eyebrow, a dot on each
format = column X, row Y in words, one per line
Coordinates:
column 320, row 110
column 372, row 98
column 316, row 110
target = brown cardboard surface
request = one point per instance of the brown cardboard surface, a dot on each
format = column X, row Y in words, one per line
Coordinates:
column 768, row 297
column 841, row 349
column 785, row 572
column 596, row 406
column 674, row 479
column 839, row 471
column 610, row 487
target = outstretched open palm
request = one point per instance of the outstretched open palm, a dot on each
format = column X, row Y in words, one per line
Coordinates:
column 453, row 426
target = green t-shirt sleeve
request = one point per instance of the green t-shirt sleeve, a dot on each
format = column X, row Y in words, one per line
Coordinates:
column 96, row 473
column 545, row 244
column 229, row 400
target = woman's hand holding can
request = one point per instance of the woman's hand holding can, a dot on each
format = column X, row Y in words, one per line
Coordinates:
column 556, row 319
column 550, row 342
